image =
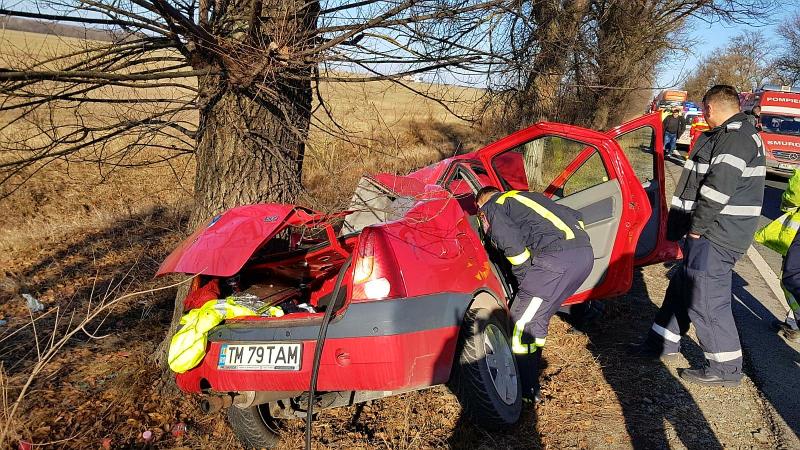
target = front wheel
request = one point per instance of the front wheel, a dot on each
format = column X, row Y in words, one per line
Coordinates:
column 254, row 426
column 485, row 378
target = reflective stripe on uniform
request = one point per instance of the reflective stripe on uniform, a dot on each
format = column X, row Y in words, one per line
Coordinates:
column 539, row 209
column 695, row 166
column 517, row 346
column 666, row 334
column 580, row 222
column 733, row 161
column 683, row 205
column 758, row 171
column 724, row 356
column 713, row 194
column 519, row 259
column 731, row 210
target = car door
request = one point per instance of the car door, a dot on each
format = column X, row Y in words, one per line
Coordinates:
column 642, row 143
column 585, row 170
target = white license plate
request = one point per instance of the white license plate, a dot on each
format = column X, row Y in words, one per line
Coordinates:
column 272, row 356
column 786, row 166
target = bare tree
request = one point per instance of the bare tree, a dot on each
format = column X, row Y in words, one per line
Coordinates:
column 601, row 53
column 788, row 62
column 746, row 62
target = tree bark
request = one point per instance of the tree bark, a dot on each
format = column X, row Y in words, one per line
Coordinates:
column 255, row 112
column 556, row 35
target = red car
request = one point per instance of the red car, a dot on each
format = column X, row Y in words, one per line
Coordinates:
column 419, row 299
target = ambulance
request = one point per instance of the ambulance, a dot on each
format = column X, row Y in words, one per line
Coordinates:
column 779, row 125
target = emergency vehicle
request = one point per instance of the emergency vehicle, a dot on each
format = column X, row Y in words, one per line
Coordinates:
column 667, row 99
column 778, row 124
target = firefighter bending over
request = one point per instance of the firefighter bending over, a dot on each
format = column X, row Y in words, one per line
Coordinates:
column 550, row 256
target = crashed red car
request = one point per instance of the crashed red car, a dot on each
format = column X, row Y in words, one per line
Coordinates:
column 420, row 300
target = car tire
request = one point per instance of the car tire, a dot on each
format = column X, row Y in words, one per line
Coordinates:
column 490, row 397
column 254, row 426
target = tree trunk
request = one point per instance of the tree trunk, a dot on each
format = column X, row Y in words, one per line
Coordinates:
column 254, row 117
column 556, row 35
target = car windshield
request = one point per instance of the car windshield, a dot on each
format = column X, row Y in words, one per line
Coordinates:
column 780, row 124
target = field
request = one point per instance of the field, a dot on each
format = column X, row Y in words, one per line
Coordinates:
column 76, row 236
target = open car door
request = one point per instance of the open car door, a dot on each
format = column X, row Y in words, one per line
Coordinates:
column 584, row 170
column 642, row 142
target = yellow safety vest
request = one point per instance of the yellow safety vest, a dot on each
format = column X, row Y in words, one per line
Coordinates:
column 188, row 345
column 779, row 234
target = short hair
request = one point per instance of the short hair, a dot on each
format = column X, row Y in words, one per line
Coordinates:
column 722, row 94
column 485, row 191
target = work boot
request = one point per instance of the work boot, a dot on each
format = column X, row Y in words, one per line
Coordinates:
column 703, row 377
column 648, row 350
column 528, row 366
column 785, row 330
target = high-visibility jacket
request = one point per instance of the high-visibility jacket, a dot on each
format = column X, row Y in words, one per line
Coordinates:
column 188, row 345
column 779, row 234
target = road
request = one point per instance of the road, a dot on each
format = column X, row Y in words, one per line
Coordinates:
column 771, row 362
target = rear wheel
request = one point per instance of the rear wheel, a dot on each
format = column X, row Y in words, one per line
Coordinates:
column 485, row 378
column 254, row 426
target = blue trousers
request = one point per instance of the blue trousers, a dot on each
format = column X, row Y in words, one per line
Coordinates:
column 700, row 293
column 551, row 279
column 670, row 141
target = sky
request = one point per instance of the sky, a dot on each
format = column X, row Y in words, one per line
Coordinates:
column 709, row 37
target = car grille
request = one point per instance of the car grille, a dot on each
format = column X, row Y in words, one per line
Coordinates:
column 788, row 156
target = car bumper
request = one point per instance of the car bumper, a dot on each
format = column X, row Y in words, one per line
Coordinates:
column 385, row 345
column 780, row 168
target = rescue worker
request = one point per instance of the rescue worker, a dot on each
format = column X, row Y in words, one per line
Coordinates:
column 674, row 125
column 716, row 207
column 781, row 236
column 550, row 256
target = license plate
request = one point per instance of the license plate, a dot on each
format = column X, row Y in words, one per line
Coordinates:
column 786, row 166
column 272, row 356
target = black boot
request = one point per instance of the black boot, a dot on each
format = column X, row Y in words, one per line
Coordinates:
column 528, row 366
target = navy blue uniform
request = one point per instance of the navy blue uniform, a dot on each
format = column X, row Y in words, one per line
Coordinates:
column 718, row 197
column 551, row 257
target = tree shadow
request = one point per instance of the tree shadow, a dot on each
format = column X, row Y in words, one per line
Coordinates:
column 79, row 272
column 649, row 393
column 770, row 362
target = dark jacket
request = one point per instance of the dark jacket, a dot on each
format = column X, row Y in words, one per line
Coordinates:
column 674, row 125
column 525, row 224
column 721, row 189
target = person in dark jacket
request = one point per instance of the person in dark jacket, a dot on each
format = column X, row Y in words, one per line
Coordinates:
column 550, row 256
column 715, row 208
column 674, row 126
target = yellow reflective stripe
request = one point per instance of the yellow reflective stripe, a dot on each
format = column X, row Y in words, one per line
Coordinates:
column 539, row 209
column 580, row 222
column 517, row 347
column 519, row 259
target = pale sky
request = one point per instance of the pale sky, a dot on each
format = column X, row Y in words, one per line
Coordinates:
column 712, row 36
